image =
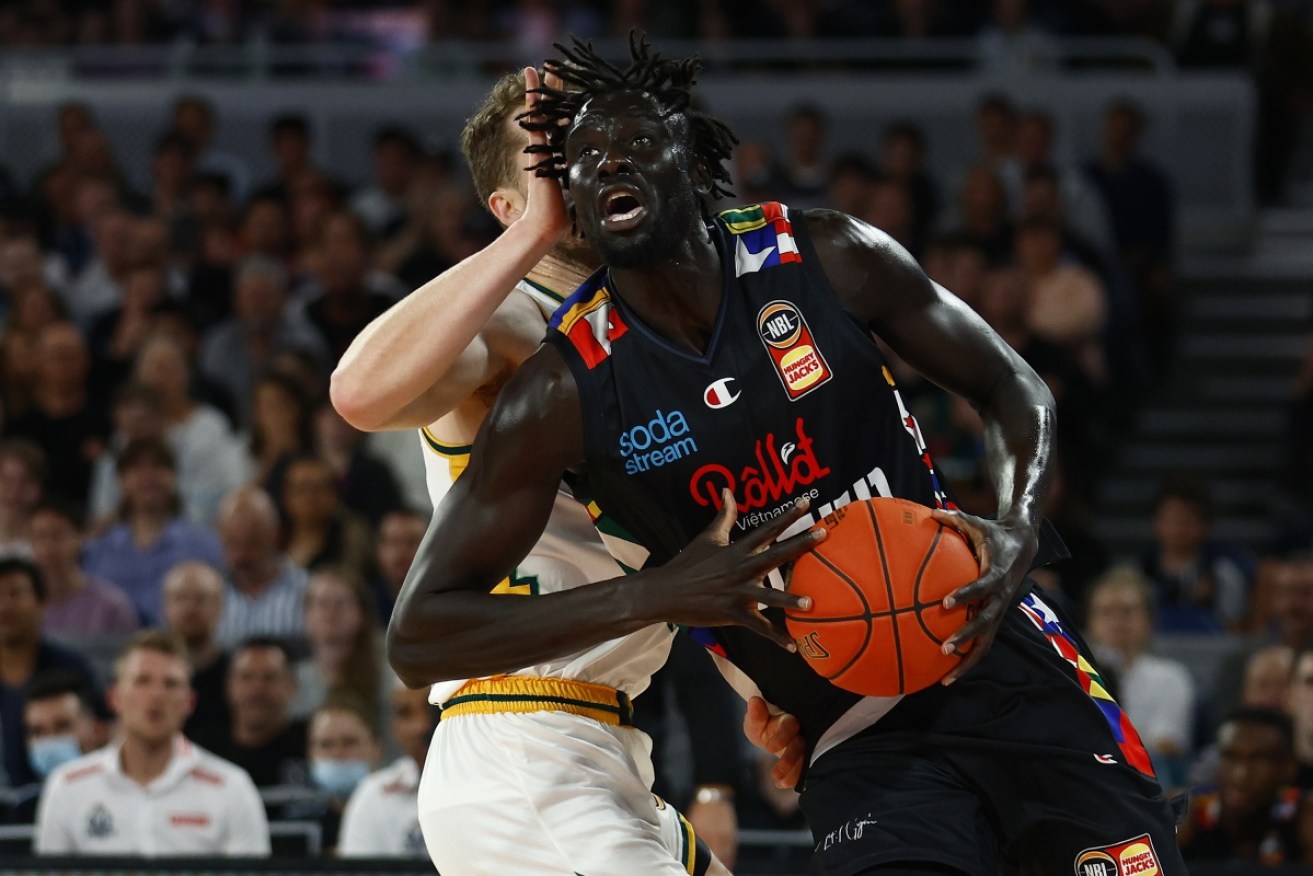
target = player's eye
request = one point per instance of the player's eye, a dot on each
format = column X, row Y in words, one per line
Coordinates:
column 642, row 140
column 587, row 151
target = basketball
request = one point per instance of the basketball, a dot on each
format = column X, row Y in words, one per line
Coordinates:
column 877, row 621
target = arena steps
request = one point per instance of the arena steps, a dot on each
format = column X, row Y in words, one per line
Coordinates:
column 1221, row 414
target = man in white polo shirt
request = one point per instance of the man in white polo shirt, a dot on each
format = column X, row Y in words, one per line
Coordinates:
column 151, row 792
column 381, row 819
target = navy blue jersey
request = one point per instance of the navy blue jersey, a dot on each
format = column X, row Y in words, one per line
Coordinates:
column 791, row 398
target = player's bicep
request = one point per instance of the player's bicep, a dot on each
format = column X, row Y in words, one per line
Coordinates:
column 884, row 288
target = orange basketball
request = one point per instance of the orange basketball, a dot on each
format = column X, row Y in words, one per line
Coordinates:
column 877, row 620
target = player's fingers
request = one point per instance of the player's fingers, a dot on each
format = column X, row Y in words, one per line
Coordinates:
column 969, row 526
column 723, row 523
column 756, row 719
column 987, row 585
column 789, row 549
column 758, row 623
column 976, row 654
column 788, row 769
column 762, row 536
column 782, row 731
column 773, row 598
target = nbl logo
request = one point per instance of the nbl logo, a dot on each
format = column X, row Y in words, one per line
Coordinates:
column 1097, row 866
column 779, row 324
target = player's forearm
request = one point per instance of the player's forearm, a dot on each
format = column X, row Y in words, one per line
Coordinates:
column 469, row 634
column 411, row 347
column 1019, row 430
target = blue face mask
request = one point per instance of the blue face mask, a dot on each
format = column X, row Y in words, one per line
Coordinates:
column 338, row 777
column 49, row 752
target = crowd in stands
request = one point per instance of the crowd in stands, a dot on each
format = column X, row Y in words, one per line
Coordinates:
column 188, row 524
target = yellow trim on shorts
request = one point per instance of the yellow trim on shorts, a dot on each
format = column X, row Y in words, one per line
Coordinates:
column 690, row 837
column 522, row 694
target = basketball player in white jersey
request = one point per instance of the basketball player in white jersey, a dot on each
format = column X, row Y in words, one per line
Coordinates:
column 537, row 772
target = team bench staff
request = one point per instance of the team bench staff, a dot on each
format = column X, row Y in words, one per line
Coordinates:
column 1021, row 758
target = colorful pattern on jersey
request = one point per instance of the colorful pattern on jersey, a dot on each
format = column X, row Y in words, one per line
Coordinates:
column 1128, row 740
column 914, row 429
column 591, row 322
column 765, row 237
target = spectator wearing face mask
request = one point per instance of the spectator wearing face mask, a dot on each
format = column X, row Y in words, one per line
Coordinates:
column 60, row 725
column 342, row 749
column 381, row 820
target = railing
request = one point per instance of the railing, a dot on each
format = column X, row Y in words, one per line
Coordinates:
column 258, row 59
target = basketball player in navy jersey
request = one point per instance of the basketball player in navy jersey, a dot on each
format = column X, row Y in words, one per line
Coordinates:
column 713, row 389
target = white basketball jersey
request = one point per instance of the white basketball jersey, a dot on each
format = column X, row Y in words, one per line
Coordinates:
column 569, row 554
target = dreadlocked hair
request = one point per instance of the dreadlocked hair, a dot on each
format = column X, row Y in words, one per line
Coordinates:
column 587, row 75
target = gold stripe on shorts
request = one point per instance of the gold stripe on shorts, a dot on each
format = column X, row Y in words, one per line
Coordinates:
column 524, row 693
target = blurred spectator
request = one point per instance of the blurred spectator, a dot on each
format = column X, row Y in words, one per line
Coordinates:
column 266, row 228
column 1291, row 607
column 25, row 653
column 382, row 817
column 889, row 208
column 193, row 604
column 346, row 654
column 957, row 264
column 137, row 414
column 109, row 801
column 1080, row 208
column 236, row 350
column 982, row 214
column 262, row 737
column 173, row 164
column 343, row 749
column 1201, row 584
column 23, row 266
column 851, row 178
column 399, row 535
column 289, row 139
column 366, row 484
column 348, row 295
column 1012, row 43
column 1158, row 694
column 267, row 588
column 1068, row 305
column 1041, row 198
column 1255, row 815
column 1219, row 33
column 903, row 157
column 99, row 286
column 66, row 420
column 754, row 172
column 22, row 472
column 444, row 230
column 210, row 459
column 319, row 531
column 194, row 119
column 151, row 535
column 996, row 131
column 77, row 605
column 1269, row 682
column 805, row 169
column 281, row 427
column 382, row 204
column 1141, row 211
column 61, row 725
column 117, row 334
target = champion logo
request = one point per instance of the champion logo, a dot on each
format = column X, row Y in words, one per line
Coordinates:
column 1105, row 758
column 719, row 395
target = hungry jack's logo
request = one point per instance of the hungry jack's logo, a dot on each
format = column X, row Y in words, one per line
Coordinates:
column 1133, row 857
column 798, row 361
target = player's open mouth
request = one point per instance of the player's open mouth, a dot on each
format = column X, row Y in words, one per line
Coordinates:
column 621, row 208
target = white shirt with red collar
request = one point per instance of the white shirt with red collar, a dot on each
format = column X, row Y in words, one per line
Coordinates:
column 199, row 805
column 382, row 817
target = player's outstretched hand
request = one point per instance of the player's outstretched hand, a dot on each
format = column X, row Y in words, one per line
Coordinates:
column 544, row 208
column 779, row 734
column 713, row 583
column 1004, row 550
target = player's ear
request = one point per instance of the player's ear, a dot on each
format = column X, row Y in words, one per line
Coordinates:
column 702, row 182
column 507, row 205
